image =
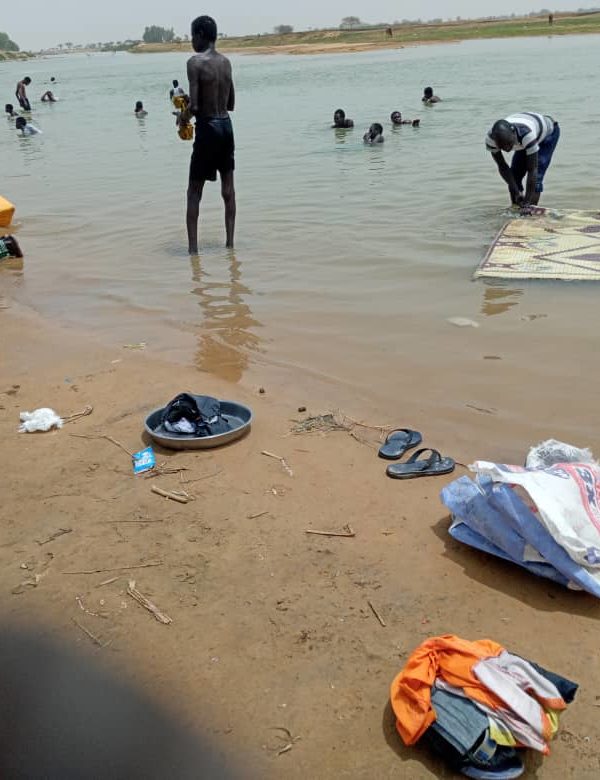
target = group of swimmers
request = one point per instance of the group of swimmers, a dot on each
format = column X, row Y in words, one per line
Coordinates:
column 374, row 134
column 22, row 123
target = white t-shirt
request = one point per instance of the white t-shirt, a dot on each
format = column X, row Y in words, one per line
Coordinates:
column 531, row 130
column 30, row 129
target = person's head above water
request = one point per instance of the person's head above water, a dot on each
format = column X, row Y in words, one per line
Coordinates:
column 27, row 80
column 339, row 119
column 504, row 134
column 396, row 117
column 428, row 93
column 52, row 79
column 175, row 83
column 20, row 123
column 9, row 108
column 204, row 33
column 139, row 106
column 376, row 129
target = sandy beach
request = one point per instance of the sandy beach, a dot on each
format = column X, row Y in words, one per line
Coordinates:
column 271, row 626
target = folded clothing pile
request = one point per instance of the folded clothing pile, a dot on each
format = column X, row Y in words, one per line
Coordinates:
column 546, row 519
column 476, row 705
column 194, row 415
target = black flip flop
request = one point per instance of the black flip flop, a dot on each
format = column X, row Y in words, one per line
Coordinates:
column 432, row 466
column 398, row 442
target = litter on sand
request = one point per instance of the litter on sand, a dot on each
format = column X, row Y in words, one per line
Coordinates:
column 39, row 420
column 477, row 705
column 144, row 460
column 545, row 519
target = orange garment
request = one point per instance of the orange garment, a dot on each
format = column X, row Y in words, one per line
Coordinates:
column 450, row 658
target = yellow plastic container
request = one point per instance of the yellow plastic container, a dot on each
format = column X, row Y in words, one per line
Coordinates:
column 6, row 212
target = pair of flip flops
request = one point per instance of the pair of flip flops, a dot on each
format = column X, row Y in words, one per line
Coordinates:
column 400, row 441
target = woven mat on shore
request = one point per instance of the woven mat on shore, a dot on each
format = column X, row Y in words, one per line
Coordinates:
column 552, row 244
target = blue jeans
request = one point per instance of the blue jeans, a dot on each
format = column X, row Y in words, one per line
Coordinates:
column 519, row 160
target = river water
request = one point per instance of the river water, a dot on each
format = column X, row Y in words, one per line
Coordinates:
column 348, row 261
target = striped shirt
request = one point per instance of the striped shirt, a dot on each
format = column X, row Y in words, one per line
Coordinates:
column 532, row 129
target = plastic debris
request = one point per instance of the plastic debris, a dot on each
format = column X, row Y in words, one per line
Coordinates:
column 144, row 460
column 551, row 452
column 462, row 322
column 40, row 420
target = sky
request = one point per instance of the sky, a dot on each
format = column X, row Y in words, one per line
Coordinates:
column 36, row 24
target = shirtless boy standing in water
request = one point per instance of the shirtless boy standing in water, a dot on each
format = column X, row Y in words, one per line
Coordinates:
column 211, row 99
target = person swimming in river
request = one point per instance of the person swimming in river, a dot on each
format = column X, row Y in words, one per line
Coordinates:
column 374, row 134
column 429, row 98
column 9, row 247
column 397, row 120
column 139, row 110
column 48, row 97
column 10, row 111
column 25, row 127
column 339, row 120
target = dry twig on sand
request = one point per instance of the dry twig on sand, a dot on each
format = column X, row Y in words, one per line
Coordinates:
column 348, row 532
column 199, row 479
column 78, row 415
column 162, row 470
column 147, row 604
column 182, row 497
column 107, row 582
column 376, row 613
column 56, row 535
column 117, row 568
column 103, row 436
column 287, row 738
column 86, row 631
column 280, row 459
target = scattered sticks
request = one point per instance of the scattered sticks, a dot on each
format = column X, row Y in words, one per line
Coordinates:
column 280, row 459
column 347, row 533
column 147, row 604
column 377, row 615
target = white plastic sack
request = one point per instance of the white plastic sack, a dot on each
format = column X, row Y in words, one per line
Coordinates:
column 551, row 452
column 566, row 499
column 39, row 420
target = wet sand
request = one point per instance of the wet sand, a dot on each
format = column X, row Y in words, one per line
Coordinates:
column 271, row 627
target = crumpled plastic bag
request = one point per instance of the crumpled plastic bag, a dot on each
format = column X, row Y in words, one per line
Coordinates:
column 551, row 452
column 40, row 420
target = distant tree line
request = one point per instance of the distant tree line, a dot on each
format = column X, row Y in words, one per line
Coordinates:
column 283, row 29
column 6, row 44
column 155, row 34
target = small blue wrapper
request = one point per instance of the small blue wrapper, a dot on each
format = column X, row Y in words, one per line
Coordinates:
column 144, row 460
